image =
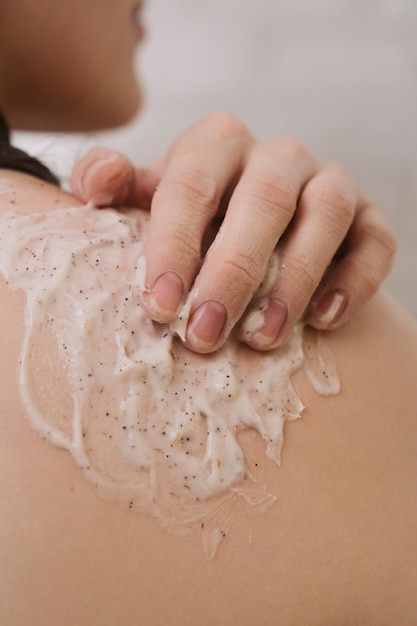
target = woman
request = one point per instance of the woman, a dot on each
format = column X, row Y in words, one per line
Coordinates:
column 211, row 163
column 339, row 546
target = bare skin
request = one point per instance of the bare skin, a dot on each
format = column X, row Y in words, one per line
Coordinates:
column 338, row 547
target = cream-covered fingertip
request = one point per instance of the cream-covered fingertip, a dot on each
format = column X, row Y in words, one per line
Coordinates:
column 164, row 299
column 328, row 311
column 263, row 324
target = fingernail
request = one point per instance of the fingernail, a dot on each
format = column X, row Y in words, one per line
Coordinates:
column 330, row 308
column 206, row 325
column 262, row 327
column 165, row 297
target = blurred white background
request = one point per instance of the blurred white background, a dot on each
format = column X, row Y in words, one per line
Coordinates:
column 340, row 75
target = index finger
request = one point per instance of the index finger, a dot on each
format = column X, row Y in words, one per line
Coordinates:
column 201, row 166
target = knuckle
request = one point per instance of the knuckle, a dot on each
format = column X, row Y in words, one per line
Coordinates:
column 369, row 279
column 225, row 125
column 364, row 275
column 303, row 275
column 196, row 189
column 337, row 169
column 217, row 127
column 244, row 271
column 117, row 171
column 185, row 244
column 381, row 237
column 334, row 200
column 293, row 148
column 272, row 193
column 390, row 245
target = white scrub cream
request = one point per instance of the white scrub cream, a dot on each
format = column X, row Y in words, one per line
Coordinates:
column 149, row 422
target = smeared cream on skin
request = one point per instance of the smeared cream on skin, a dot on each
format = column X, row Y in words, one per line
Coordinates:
column 149, row 422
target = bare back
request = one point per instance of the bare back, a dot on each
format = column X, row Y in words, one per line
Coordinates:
column 337, row 547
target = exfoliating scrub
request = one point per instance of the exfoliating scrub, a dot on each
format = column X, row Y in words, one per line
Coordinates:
column 150, row 423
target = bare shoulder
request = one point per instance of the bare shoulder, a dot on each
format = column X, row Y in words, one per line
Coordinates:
column 26, row 194
column 364, row 464
column 337, row 547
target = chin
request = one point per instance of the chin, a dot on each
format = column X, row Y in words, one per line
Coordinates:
column 130, row 109
column 118, row 111
column 79, row 115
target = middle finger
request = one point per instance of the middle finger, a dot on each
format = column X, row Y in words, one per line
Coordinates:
column 259, row 211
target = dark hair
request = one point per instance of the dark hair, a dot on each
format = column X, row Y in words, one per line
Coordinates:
column 14, row 159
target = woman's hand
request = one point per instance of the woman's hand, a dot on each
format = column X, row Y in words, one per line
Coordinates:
column 335, row 246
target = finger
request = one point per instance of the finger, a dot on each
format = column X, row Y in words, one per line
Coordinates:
column 324, row 214
column 201, row 165
column 357, row 273
column 259, row 211
column 108, row 178
column 102, row 176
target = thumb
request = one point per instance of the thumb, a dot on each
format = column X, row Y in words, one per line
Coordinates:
column 108, row 178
